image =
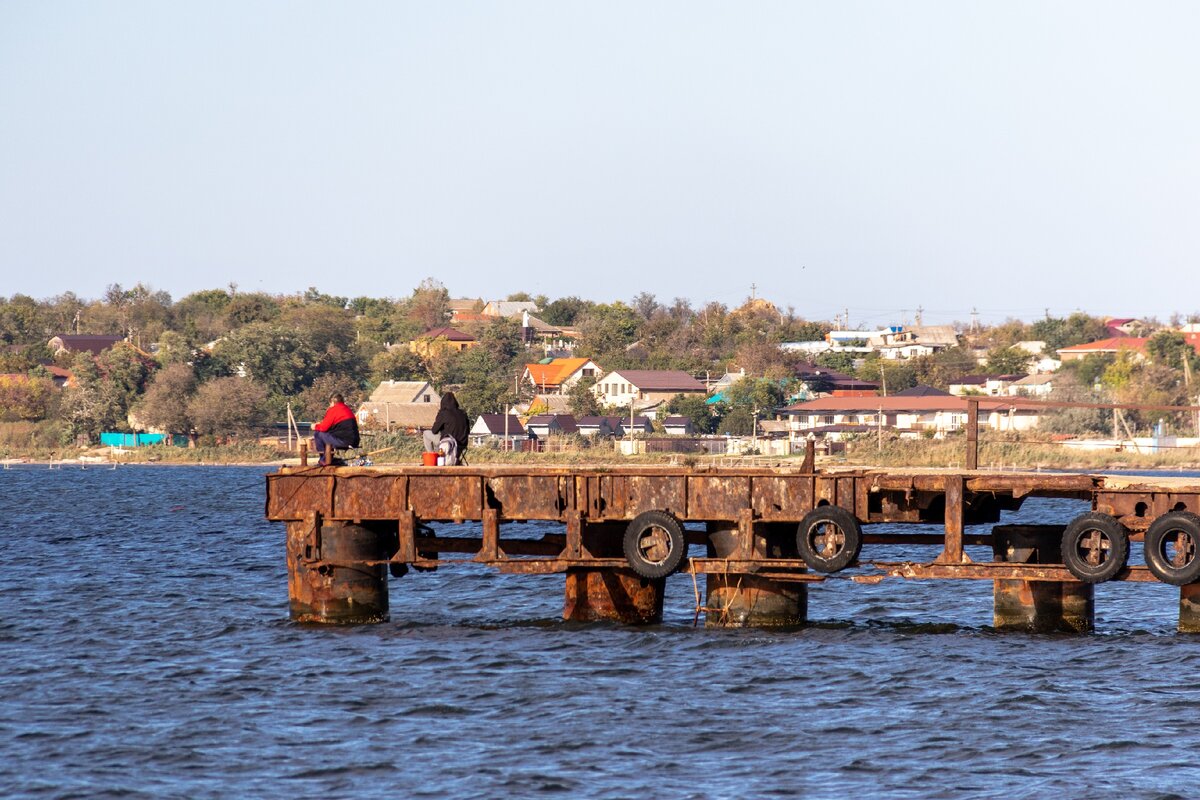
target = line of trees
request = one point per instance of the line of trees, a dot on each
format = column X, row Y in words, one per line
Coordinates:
column 222, row 361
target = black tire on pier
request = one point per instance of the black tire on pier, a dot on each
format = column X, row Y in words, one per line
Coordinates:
column 654, row 544
column 1095, row 547
column 829, row 539
column 1171, row 548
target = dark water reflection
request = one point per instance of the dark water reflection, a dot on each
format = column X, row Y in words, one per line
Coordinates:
column 146, row 652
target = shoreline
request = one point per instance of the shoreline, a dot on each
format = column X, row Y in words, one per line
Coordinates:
column 512, row 459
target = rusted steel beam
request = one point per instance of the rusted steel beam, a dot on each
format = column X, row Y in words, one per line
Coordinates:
column 997, row 571
column 953, row 551
column 489, row 549
column 548, row 566
column 755, row 566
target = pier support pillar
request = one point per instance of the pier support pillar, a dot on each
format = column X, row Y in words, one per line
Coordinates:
column 1038, row 606
column 327, row 579
column 748, row 601
column 1189, row 608
column 609, row 594
column 612, row 595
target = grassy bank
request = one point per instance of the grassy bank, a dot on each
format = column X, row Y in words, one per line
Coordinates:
column 995, row 452
column 1009, row 452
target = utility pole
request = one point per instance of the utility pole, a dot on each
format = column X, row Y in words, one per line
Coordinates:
column 974, row 321
column 920, row 309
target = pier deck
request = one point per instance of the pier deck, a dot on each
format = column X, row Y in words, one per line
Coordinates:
column 768, row 531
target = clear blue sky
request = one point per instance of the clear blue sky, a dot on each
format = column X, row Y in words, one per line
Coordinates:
column 882, row 156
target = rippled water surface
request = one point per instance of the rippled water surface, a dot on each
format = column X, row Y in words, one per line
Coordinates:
column 146, row 652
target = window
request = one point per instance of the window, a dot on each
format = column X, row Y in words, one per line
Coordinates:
column 427, row 399
column 828, row 419
column 588, row 372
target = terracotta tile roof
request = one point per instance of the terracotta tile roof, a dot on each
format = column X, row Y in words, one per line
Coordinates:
column 1113, row 345
column 555, row 372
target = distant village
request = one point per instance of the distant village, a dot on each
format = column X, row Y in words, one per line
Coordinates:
column 536, row 374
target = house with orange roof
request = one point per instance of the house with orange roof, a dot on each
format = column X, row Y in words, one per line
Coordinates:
column 1106, row 347
column 558, row 375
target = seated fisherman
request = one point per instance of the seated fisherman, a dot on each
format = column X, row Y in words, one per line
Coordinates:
column 450, row 423
column 339, row 428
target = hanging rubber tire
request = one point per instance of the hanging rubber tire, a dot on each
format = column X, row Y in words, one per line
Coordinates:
column 1095, row 547
column 1171, row 548
column 829, row 539
column 654, row 544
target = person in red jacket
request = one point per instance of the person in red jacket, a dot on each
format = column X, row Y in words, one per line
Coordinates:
column 339, row 428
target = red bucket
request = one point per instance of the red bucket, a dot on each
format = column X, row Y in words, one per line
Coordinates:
column 429, row 459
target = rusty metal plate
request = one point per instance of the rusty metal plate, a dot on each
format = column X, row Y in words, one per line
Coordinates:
column 296, row 496
column 846, row 494
column 827, row 491
column 446, row 497
column 782, row 499
column 362, row 497
column 720, row 498
column 527, row 496
column 655, row 493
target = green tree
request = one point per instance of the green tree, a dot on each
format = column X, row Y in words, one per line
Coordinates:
column 228, row 407
column 429, row 305
column 1078, row 328
column 24, row 397
column 1172, row 349
column 1087, row 370
column 1008, row 360
column 705, row 418
column 313, row 401
column 165, row 403
column 397, row 364
column 565, row 310
column 582, row 400
column 607, row 330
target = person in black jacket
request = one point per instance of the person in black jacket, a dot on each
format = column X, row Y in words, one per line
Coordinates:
column 450, row 423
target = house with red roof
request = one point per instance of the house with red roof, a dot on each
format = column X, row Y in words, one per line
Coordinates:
column 1136, row 345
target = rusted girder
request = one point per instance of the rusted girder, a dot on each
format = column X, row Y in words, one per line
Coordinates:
column 996, row 571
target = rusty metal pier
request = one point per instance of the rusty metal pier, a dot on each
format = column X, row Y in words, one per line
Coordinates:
column 768, row 533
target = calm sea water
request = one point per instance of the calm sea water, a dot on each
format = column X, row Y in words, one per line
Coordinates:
column 145, row 651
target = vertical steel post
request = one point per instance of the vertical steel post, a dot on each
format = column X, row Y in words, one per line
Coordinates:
column 972, row 433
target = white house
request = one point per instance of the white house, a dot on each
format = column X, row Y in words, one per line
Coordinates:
column 400, row 404
column 645, row 387
column 558, row 375
column 919, row 340
column 496, row 429
column 911, row 415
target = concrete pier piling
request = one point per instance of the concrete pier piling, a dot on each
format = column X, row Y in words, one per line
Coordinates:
column 737, row 600
column 1040, row 606
column 612, row 595
column 330, row 579
column 1189, row 608
column 609, row 595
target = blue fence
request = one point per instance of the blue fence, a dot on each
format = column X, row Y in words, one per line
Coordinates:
column 140, row 439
